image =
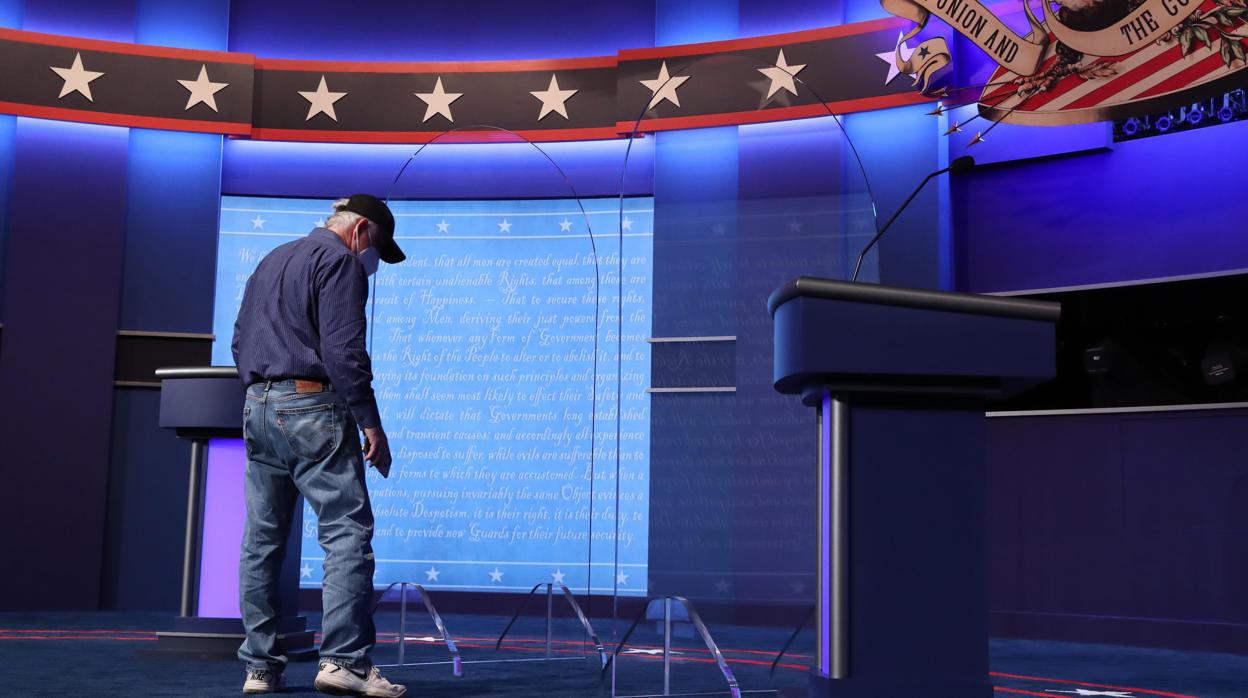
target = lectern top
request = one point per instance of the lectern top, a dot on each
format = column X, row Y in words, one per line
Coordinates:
column 969, row 303
column 198, row 372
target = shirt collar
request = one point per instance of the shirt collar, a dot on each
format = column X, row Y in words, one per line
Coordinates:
column 327, row 234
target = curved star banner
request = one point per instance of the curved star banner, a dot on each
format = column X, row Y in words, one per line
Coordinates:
column 760, row 79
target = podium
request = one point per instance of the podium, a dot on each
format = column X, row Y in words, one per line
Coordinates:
column 898, row 379
column 205, row 406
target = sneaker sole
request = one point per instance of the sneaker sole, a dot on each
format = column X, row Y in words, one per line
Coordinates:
column 324, row 686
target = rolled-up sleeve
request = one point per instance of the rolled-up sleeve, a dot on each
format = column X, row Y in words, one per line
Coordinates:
column 342, row 293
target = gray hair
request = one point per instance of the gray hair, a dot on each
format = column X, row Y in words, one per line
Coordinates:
column 342, row 218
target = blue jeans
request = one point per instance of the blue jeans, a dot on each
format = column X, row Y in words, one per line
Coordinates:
column 305, row 443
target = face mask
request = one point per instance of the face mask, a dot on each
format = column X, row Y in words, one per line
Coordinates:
column 370, row 257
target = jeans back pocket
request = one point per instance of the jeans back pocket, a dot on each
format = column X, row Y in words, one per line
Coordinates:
column 312, row 432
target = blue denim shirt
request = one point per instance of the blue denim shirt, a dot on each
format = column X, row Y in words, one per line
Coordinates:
column 303, row 317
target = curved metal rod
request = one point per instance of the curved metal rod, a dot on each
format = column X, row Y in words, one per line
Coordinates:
column 710, row 645
column 589, row 629
column 624, row 641
column 457, row 662
column 810, row 614
column 523, row 605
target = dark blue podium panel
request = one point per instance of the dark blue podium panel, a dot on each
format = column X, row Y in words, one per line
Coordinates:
column 212, row 404
column 899, row 337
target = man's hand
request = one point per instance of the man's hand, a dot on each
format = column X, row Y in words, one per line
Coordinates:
column 377, row 449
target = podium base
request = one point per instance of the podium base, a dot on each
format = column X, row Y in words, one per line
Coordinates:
column 823, row 687
column 219, row 638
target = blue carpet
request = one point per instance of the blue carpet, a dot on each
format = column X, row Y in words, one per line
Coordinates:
column 97, row 654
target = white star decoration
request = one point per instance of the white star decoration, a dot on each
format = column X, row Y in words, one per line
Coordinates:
column 305, row 571
column 202, row 90
column 443, row 226
column 565, row 225
column 319, row 222
column 888, row 57
column 257, row 223
column 621, row 578
column 496, row 576
column 553, row 99
column 722, row 586
column 432, row 574
column 322, row 101
column 438, row 101
column 798, row 587
column 77, row 79
column 504, row 227
column 781, row 75
column 627, row 223
column 664, row 87
column 558, row 576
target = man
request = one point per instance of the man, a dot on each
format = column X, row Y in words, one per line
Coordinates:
column 299, row 347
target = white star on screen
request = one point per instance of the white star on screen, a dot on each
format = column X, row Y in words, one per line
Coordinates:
column 322, row 101
column 438, row 101
column 781, row 75
column 627, row 223
column 257, row 223
column 319, row 222
column 432, row 574
column 888, row 57
column 558, row 576
column 553, row 99
column 77, row 79
column 443, row 226
column 795, row 227
column 565, row 225
column 202, row 90
column 504, row 227
column 621, row 578
column 722, row 586
column 305, row 571
column 664, row 87
column 798, row 587
column 496, row 576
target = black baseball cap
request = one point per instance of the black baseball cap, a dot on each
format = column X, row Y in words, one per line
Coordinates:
column 377, row 211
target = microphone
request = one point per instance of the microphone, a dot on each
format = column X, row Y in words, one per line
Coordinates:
column 959, row 166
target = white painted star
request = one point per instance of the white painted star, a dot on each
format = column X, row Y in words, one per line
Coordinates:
column 202, row 90
column 432, row 574
column 621, row 578
column 305, row 571
column 718, row 229
column 257, row 223
column 722, row 586
column 558, row 575
column 565, row 225
column 553, row 99
column 795, row 227
column 504, row 227
column 798, row 587
column 438, row 101
column 781, row 75
column 443, row 226
column 627, row 223
column 664, row 87
column 889, row 58
column 77, row 79
column 1085, row 692
column 322, row 101
column 319, row 222
column 496, row 576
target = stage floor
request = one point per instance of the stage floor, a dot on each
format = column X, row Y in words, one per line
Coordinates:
column 98, row 654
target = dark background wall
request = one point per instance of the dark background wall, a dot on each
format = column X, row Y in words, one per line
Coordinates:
column 132, row 214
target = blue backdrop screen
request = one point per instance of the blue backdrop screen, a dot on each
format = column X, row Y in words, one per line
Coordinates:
column 483, row 346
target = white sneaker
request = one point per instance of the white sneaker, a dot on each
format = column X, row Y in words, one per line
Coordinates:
column 338, row 680
column 262, row 681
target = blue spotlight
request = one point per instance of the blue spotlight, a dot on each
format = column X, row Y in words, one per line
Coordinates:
column 1164, row 122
